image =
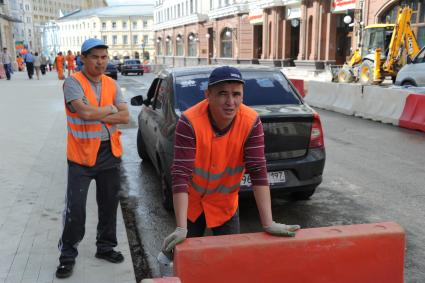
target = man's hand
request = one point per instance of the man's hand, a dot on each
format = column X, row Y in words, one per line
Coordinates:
column 278, row 229
column 175, row 238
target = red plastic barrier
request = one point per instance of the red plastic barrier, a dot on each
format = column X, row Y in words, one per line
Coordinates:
column 146, row 69
column 299, row 85
column 366, row 253
column 162, row 280
column 413, row 116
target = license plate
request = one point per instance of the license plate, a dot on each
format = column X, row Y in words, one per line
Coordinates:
column 274, row 177
column 134, row 67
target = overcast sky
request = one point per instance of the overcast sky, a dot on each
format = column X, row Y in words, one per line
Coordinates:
column 128, row 2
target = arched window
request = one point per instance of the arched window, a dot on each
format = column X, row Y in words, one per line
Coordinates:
column 179, row 45
column 159, row 46
column 192, row 42
column 226, row 44
column 168, row 46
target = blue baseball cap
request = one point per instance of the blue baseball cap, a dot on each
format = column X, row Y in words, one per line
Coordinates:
column 225, row 74
column 92, row 43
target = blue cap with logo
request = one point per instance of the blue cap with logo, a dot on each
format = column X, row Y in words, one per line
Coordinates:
column 225, row 74
column 92, row 43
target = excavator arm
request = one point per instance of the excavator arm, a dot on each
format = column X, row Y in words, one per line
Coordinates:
column 402, row 37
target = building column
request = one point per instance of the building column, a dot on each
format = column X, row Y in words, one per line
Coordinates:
column 315, row 36
column 286, row 39
column 303, row 31
column 330, row 36
column 265, row 46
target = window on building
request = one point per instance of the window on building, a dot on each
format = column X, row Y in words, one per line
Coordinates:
column 192, row 45
column 29, row 32
column 125, row 39
column 422, row 12
column 169, row 46
column 135, row 39
column 114, row 39
column 134, row 25
column 103, row 25
column 27, row 7
column 94, row 25
column 145, row 23
column 114, row 25
column 159, row 46
column 105, row 39
column 179, row 45
column 226, row 43
column 146, row 39
column 124, row 25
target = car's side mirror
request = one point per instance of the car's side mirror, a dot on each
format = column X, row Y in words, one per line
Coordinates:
column 137, row 100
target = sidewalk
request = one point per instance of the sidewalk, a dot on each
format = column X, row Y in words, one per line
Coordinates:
column 32, row 185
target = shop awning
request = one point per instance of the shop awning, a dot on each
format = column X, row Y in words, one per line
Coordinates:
column 343, row 5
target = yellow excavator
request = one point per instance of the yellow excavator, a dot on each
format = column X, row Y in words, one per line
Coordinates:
column 381, row 53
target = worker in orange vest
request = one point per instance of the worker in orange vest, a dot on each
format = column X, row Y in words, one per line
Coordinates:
column 215, row 141
column 59, row 64
column 70, row 61
column 94, row 105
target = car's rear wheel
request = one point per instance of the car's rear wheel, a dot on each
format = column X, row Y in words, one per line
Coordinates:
column 141, row 147
column 305, row 193
column 408, row 83
column 167, row 195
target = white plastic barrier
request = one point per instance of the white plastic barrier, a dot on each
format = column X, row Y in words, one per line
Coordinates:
column 382, row 104
column 338, row 97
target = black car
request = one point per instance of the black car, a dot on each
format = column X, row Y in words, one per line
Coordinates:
column 111, row 71
column 132, row 66
column 294, row 146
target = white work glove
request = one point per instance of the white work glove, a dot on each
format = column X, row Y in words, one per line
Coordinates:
column 279, row 229
column 175, row 238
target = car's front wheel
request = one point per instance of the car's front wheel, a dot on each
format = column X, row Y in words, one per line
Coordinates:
column 141, row 147
column 305, row 193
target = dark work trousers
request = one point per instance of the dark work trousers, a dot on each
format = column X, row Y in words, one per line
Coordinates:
column 7, row 70
column 43, row 69
column 197, row 228
column 106, row 173
column 30, row 69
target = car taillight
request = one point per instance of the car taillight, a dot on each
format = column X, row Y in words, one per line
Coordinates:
column 140, row 66
column 316, row 137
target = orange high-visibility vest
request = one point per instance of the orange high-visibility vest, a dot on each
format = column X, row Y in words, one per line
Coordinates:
column 70, row 59
column 83, row 135
column 219, row 165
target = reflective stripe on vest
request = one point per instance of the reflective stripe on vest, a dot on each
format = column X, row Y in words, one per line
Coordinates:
column 218, row 166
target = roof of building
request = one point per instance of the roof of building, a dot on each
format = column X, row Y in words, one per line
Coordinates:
column 111, row 11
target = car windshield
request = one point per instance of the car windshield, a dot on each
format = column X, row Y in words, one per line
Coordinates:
column 261, row 88
column 132, row 62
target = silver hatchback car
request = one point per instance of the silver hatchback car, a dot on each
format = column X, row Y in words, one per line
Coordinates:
column 413, row 74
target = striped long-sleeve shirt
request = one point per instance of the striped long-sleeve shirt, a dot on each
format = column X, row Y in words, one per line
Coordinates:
column 185, row 151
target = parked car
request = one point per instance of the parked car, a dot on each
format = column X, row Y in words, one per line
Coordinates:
column 294, row 146
column 111, row 71
column 132, row 66
column 413, row 74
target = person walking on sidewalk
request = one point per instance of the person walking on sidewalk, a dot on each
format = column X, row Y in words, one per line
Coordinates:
column 6, row 61
column 37, row 65
column 43, row 61
column 70, row 60
column 29, row 62
column 59, row 64
column 215, row 141
column 94, row 106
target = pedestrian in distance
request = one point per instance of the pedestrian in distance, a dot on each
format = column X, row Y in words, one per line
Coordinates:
column 29, row 63
column 43, row 66
column 70, row 60
column 94, row 105
column 37, row 65
column 78, row 61
column 20, row 63
column 59, row 64
column 215, row 141
column 6, row 61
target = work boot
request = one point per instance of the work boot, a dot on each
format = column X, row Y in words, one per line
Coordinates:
column 64, row 270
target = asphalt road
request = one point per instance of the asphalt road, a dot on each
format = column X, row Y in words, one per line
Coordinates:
column 374, row 172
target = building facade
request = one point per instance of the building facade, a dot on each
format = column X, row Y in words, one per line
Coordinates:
column 7, row 22
column 34, row 14
column 127, row 30
column 308, row 33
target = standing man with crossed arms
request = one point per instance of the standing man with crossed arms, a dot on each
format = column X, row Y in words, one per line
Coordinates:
column 94, row 105
column 215, row 141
